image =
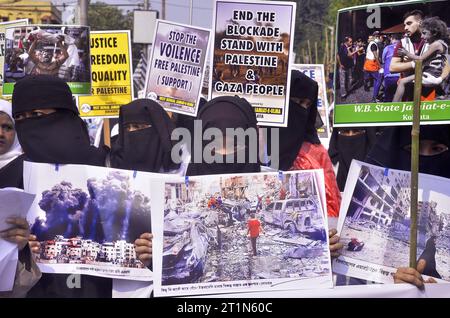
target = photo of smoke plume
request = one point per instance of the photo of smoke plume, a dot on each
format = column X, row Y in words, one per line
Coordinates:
column 376, row 228
column 222, row 232
column 60, row 51
column 377, row 47
column 90, row 218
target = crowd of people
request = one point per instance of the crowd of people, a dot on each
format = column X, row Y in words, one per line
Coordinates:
column 386, row 62
column 43, row 125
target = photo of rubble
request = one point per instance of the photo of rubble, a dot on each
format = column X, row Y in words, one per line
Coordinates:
column 376, row 229
column 207, row 235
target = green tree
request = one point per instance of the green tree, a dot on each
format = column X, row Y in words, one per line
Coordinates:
column 308, row 22
column 102, row 16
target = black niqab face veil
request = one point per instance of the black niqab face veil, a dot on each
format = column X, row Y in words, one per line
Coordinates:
column 343, row 149
column 304, row 87
column 389, row 151
column 222, row 113
column 147, row 149
column 301, row 121
column 59, row 137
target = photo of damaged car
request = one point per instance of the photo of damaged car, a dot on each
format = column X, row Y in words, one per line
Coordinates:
column 209, row 243
column 296, row 215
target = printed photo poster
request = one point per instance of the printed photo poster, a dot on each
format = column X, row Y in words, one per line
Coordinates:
column 87, row 219
column 240, row 233
column 374, row 224
column 376, row 46
column 316, row 72
column 12, row 63
column 177, row 66
column 112, row 75
column 251, row 55
column 59, row 50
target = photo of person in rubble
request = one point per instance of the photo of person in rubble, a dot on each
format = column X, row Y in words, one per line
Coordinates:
column 377, row 222
column 60, row 51
column 213, row 238
column 254, row 230
column 404, row 35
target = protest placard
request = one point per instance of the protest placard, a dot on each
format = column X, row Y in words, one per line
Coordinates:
column 112, row 82
column 374, row 224
column 239, row 233
column 87, row 219
column 58, row 50
column 251, row 55
column 176, row 68
column 12, row 63
column 376, row 49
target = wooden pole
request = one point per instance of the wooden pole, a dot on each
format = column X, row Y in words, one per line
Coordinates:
column 333, row 49
column 309, row 53
column 106, row 132
column 316, row 51
column 415, row 134
column 163, row 11
column 325, row 55
column 83, row 5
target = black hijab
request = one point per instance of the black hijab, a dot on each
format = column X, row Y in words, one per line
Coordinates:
column 147, row 149
column 429, row 256
column 59, row 137
column 343, row 149
column 389, row 150
column 226, row 112
column 302, row 123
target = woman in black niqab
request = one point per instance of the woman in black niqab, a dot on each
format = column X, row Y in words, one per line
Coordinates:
column 301, row 120
column 149, row 147
column 392, row 150
column 344, row 148
column 60, row 137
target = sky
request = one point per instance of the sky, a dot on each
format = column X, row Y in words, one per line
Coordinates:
column 176, row 10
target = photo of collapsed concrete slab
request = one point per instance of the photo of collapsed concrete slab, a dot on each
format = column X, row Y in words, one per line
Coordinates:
column 207, row 237
column 377, row 223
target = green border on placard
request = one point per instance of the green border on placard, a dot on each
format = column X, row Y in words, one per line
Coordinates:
column 364, row 113
column 77, row 88
column 372, row 114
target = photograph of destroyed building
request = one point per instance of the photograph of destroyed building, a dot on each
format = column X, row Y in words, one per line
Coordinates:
column 377, row 223
column 206, row 236
column 89, row 224
column 79, row 251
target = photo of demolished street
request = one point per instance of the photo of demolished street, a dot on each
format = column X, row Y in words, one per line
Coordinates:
column 207, row 237
column 377, row 223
